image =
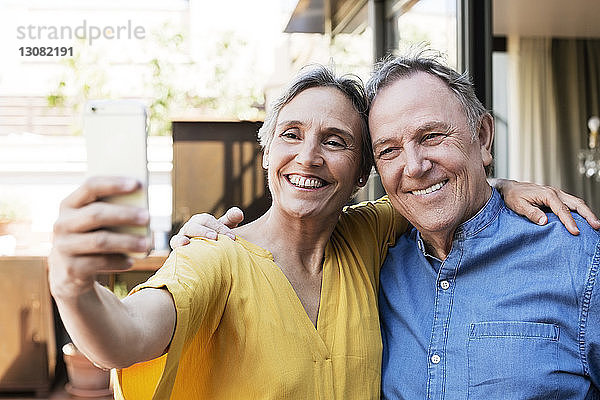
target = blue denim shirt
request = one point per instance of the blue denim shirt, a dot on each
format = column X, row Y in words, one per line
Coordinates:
column 512, row 313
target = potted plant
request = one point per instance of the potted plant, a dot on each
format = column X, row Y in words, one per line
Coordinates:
column 85, row 378
column 15, row 225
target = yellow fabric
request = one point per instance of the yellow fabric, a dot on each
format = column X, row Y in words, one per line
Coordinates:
column 242, row 333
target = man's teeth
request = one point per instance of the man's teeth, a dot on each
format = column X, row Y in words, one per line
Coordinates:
column 303, row 182
column 430, row 189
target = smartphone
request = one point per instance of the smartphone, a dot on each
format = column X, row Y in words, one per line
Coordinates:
column 115, row 134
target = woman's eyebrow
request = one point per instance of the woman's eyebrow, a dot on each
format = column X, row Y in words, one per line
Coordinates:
column 292, row 122
column 330, row 130
column 339, row 131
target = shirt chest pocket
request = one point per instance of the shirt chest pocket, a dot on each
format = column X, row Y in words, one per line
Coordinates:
column 516, row 360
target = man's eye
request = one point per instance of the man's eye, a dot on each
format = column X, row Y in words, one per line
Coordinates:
column 387, row 152
column 432, row 137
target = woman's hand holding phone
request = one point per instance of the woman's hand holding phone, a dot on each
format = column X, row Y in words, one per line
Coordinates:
column 83, row 245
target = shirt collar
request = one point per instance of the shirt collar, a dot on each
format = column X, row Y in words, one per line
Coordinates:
column 483, row 218
column 474, row 225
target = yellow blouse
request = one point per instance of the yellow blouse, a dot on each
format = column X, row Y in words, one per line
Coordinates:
column 242, row 333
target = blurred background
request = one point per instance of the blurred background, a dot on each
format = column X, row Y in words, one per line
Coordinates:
column 207, row 71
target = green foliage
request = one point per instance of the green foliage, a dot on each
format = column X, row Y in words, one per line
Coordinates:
column 219, row 86
column 13, row 210
column 84, row 78
column 120, row 289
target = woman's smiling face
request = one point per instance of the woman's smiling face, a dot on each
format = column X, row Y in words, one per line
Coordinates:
column 313, row 159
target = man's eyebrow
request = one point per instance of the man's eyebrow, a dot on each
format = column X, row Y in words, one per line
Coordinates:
column 434, row 126
column 382, row 141
column 426, row 127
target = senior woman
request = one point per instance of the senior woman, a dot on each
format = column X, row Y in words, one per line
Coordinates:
column 286, row 310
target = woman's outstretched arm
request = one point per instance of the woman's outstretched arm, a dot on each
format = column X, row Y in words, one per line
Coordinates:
column 111, row 332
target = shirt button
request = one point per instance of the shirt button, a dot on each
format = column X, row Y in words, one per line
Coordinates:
column 435, row 359
column 445, row 285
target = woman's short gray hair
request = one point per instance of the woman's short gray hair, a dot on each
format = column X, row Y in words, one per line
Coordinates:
column 320, row 76
column 391, row 69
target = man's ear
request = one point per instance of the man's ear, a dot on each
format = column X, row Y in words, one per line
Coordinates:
column 486, row 138
column 265, row 159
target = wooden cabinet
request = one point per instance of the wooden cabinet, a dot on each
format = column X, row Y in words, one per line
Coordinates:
column 27, row 345
column 28, row 351
column 216, row 165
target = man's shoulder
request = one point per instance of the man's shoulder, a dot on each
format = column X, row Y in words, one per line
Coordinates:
column 509, row 220
column 551, row 241
column 588, row 237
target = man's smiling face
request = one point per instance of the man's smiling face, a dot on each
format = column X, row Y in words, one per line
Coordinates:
column 430, row 165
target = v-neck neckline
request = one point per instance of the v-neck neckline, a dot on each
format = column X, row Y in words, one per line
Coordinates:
column 299, row 309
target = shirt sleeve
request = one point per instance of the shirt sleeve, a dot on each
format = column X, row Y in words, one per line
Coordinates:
column 591, row 314
column 371, row 227
column 198, row 276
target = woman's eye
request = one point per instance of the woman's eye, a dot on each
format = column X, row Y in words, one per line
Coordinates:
column 335, row 143
column 289, row 134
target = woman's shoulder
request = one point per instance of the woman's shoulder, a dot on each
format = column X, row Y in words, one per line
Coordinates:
column 378, row 215
column 203, row 249
column 381, row 206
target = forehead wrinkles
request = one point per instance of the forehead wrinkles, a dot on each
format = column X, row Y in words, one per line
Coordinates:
column 323, row 105
column 415, row 103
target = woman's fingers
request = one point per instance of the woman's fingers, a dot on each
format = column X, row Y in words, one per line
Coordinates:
column 527, row 199
column 561, row 210
column 579, row 205
column 206, row 226
column 106, row 263
column 232, row 218
column 178, row 241
column 530, row 211
column 84, row 244
column 73, row 275
column 96, row 188
column 100, row 215
column 100, row 242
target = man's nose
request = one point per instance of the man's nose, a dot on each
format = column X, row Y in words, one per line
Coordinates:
column 309, row 154
column 416, row 163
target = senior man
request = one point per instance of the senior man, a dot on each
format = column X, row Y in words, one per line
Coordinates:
column 475, row 301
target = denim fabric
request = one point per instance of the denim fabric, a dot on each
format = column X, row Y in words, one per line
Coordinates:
column 512, row 313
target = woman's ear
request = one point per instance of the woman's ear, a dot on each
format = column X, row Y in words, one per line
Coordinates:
column 362, row 180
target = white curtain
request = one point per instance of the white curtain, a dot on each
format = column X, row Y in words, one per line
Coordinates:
column 553, row 89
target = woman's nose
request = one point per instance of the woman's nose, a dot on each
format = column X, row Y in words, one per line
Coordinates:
column 309, row 154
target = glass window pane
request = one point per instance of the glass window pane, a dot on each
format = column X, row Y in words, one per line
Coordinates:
column 433, row 22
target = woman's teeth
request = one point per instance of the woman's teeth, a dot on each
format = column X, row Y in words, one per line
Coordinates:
column 430, row 189
column 307, row 183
